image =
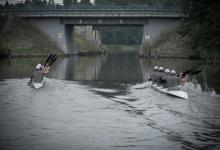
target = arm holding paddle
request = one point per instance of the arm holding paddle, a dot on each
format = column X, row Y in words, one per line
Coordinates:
column 46, row 69
column 184, row 76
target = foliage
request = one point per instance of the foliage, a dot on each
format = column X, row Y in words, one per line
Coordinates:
column 203, row 26
column 69, row 3
column 150, row 3
column 121, row 35
column 83, row 44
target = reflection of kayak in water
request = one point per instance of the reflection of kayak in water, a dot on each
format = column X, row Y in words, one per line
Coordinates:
column 36, row 85
column 177, row 93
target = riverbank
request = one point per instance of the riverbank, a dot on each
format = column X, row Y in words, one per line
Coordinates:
column 23, row 39
column 170, row 44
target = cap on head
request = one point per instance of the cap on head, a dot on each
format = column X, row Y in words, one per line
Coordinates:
column 167, row 71
column 155, row 68
column 39, row 66
column 173, row 72
column 160, row 68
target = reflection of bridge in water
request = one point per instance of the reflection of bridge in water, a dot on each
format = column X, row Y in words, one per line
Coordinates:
column 59, row 24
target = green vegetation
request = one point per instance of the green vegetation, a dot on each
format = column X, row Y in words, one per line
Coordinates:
column 150, row 3
column 23, row 38
column 121, row 35
column 169, row 44
column 203, row 27
column 84, row 45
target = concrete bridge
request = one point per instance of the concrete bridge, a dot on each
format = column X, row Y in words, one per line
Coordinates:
column 59, row 23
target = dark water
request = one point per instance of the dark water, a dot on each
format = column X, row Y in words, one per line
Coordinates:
column 105, row 102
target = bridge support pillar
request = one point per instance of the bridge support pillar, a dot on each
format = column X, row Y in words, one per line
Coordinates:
column 69, row 36
column 145, row 41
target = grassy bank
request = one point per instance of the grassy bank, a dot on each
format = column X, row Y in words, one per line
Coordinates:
column 23, row 38
column 84, row 45
column 169, row 44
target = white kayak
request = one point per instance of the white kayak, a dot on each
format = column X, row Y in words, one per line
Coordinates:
column 37, row 85
column 177, row 93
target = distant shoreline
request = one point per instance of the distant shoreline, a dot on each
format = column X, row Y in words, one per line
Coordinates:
column 87, row 53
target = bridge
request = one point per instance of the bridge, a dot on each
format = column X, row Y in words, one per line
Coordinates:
column 59, row 23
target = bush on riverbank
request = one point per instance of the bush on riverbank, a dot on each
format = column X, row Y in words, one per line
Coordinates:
column 23, row 38
column 169, row 44
column 84, row 45
column 202, row 26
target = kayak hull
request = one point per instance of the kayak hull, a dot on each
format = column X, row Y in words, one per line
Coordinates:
column 176, row 93
column 37, row 86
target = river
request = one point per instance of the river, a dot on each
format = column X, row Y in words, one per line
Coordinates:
column 105, row 102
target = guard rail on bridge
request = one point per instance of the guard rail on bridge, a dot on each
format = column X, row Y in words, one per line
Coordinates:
column 97, row 12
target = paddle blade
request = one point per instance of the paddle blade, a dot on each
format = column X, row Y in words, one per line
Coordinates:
column 195, row 72
column 52, row 61
column 47, row 60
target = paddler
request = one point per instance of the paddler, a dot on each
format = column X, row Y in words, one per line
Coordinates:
column 160, row 76
column 154, row 74
column 165, row 78
column 38, row 74
column 173, row 81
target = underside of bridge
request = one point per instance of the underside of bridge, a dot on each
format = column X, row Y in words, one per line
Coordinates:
column 61, row 29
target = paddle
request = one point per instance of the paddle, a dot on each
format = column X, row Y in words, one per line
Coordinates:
column 195, row 72
column 48, row 58
column 190, row 72
column 51, row 58
column 52, row 61
column 186, row 72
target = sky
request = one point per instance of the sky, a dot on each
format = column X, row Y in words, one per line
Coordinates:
column 18, row 1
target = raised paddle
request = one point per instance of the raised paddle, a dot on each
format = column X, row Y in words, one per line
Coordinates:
column 48, row 59
column 184, row 73
column 195, row 72
column 52, row 61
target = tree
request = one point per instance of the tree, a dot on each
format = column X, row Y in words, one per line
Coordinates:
column 74, row 2
column 67, row 3
column 202, row 26
column 51, row 4
column 27, row 2
column 85, row 2
column 44, row 3
column 7, row 5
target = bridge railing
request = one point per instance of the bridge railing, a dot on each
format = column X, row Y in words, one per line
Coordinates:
column 130, row 11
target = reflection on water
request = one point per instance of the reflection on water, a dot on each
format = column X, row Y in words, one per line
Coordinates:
column 124, row 67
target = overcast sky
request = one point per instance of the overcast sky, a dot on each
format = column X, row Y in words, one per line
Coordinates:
column 17, row 1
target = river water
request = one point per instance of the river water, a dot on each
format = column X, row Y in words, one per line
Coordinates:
column 105, row 102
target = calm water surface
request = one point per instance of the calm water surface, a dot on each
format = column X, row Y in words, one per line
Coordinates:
column 105, row 102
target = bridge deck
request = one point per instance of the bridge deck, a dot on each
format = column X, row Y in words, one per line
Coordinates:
column 141, row 12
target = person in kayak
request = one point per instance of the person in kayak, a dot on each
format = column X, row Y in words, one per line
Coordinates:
column 38, row 74
column 173, row 81
column 165, row 78
column 160, row 76
column 154, row 74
